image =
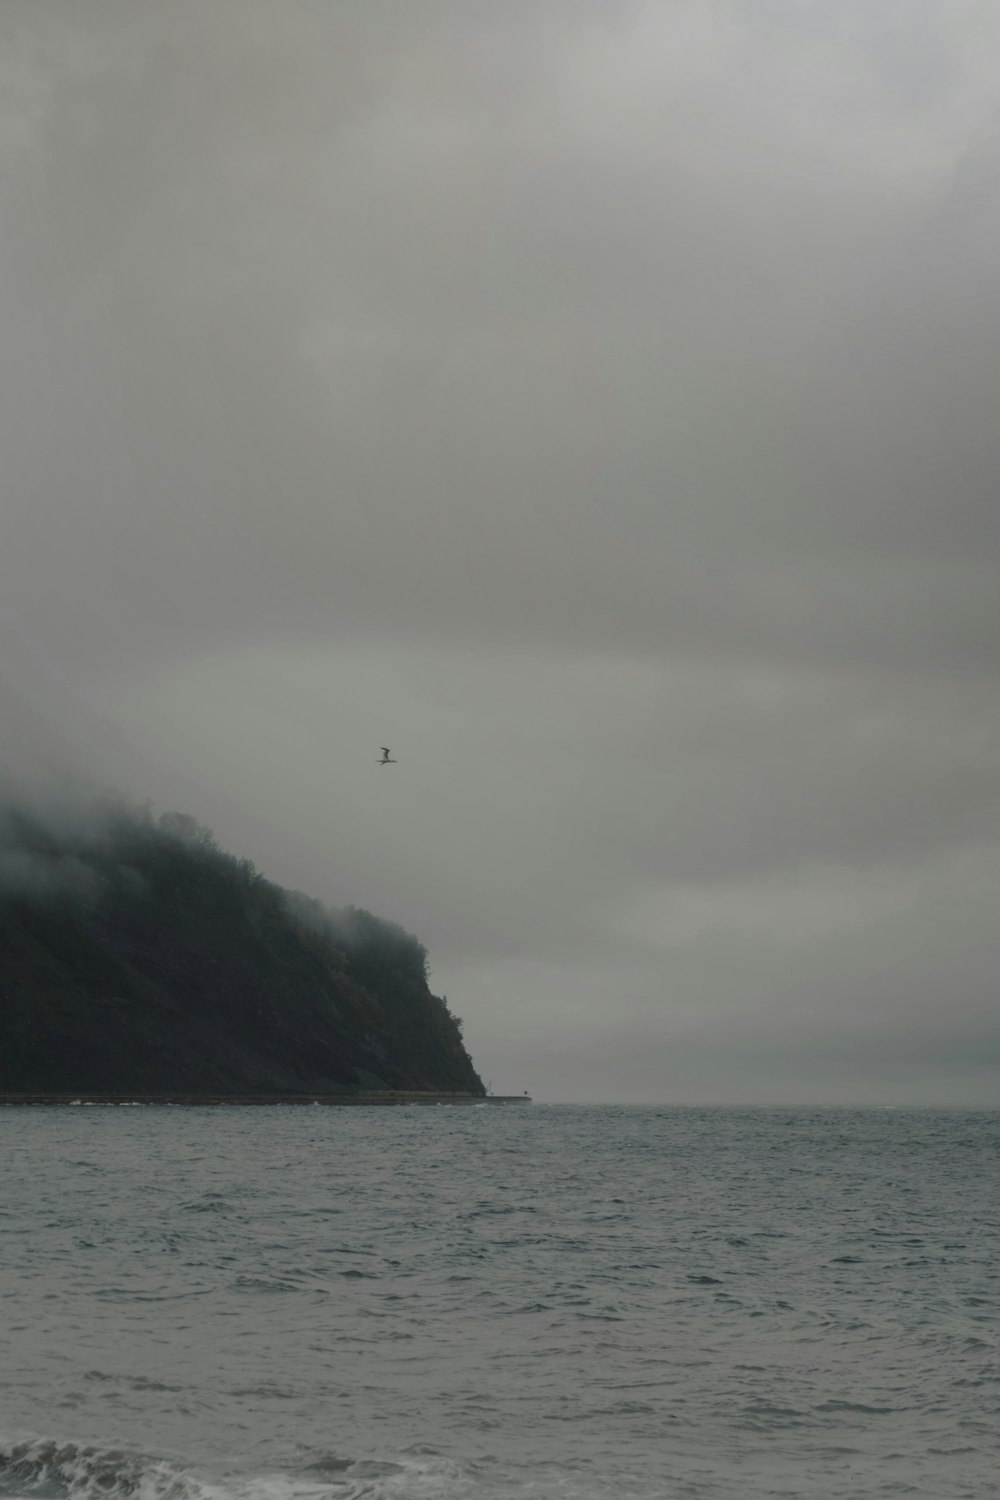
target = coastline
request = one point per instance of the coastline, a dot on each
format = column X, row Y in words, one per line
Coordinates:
column 201, row 1100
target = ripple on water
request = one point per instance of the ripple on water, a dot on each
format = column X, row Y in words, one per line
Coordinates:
column 561, row 1303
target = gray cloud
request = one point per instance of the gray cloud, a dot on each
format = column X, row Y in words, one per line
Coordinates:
column 598, row 406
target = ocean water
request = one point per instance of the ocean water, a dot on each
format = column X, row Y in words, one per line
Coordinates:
column 420, row 1304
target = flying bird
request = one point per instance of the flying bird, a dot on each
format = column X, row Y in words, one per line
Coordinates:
column 387, row 759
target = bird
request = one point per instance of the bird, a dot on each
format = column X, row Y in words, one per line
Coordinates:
column 387, row 759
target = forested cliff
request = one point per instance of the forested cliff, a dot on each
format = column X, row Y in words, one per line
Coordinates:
column 136, row 955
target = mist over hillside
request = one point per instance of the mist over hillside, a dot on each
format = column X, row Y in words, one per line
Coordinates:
column 136, row 954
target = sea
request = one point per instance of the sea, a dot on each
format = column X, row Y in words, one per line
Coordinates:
column 467, row 1303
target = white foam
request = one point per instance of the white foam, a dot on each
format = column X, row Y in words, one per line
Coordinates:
column 43, row 1469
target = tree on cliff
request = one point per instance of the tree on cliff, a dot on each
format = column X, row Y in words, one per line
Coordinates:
column 135, row 953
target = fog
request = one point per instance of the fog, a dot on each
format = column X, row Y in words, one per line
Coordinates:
column 595, row 405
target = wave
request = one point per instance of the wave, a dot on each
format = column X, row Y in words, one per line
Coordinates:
column 48, row 1470
column 44, row 1469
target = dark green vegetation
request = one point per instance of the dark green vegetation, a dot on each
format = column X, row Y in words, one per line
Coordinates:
column 136, row 955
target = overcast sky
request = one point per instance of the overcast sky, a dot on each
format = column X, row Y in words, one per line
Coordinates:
column 597, row 404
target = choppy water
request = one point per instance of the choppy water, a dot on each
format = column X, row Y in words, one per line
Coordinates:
column 420, row 1304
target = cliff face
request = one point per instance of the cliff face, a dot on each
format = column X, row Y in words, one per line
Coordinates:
column 139, row 956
